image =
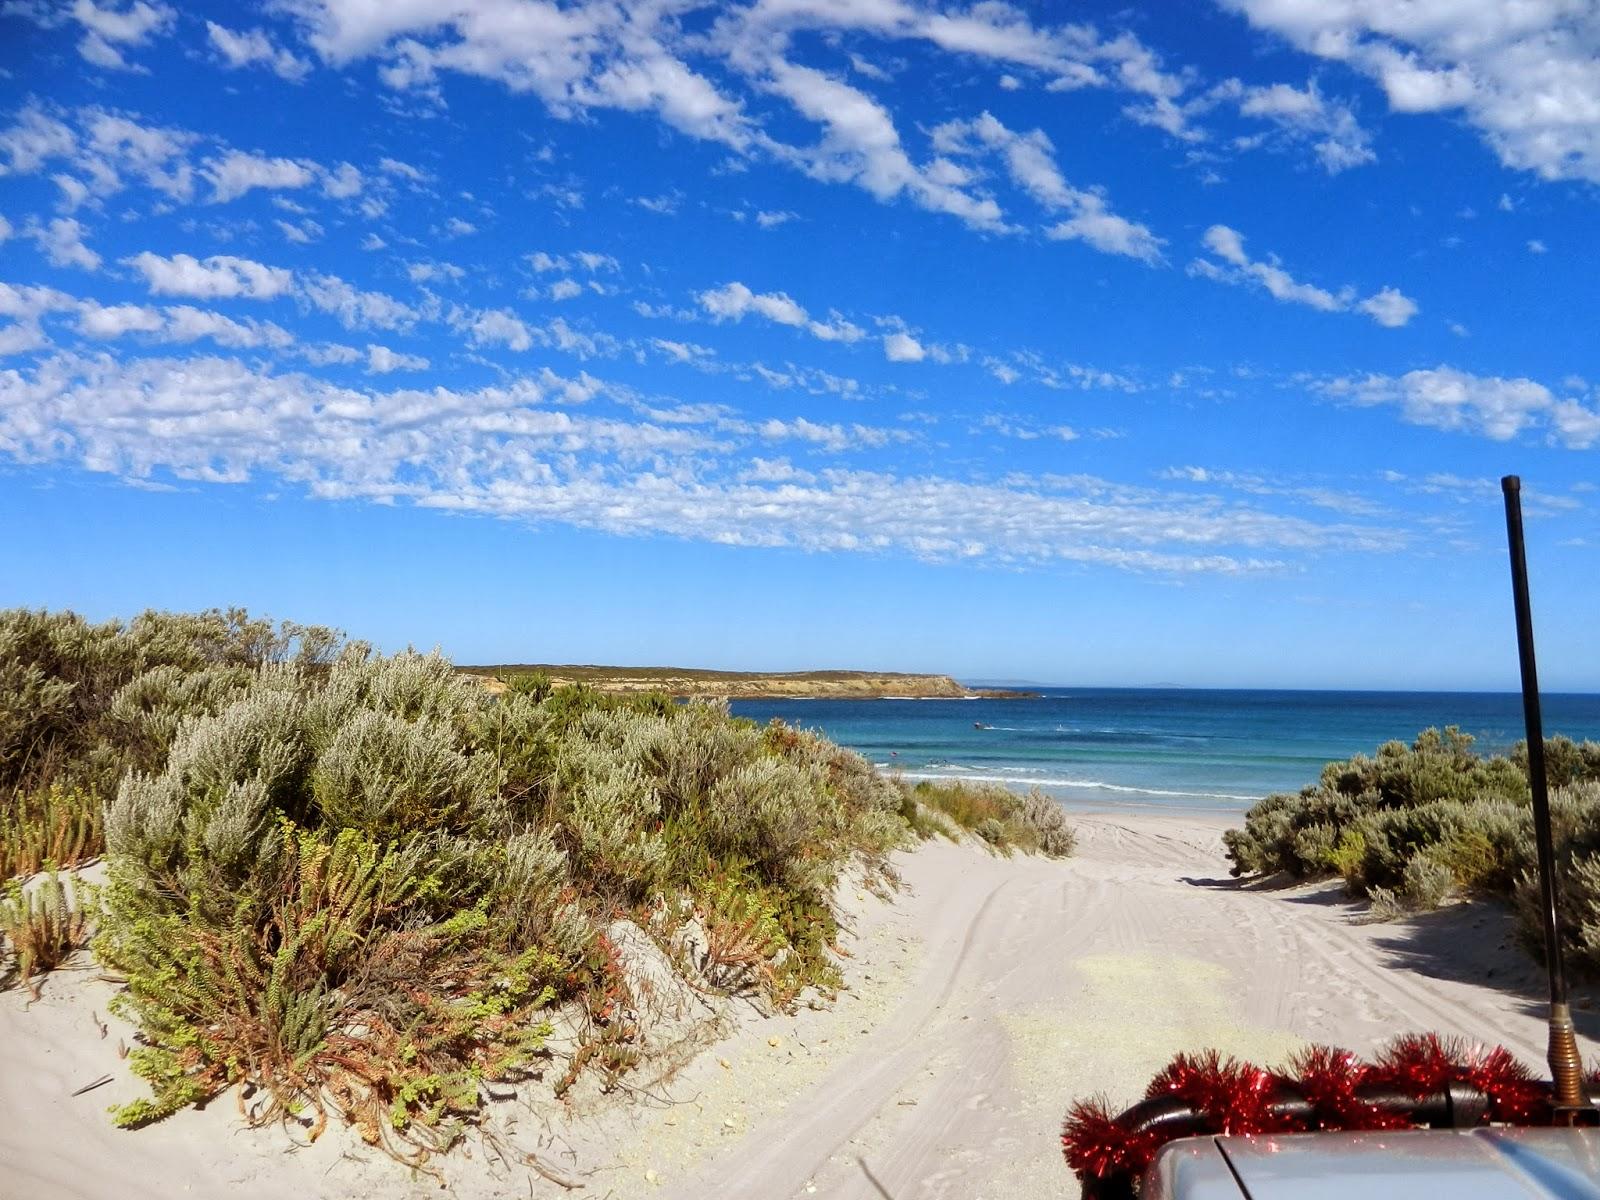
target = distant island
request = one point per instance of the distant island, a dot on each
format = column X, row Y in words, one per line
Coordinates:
column 754, row 685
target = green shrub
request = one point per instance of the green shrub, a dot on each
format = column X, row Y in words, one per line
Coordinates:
column 1438, row 768
column 356, row 883
column 1413, row 825
column 329, row 989
column 1427, row 882
column 80, row 703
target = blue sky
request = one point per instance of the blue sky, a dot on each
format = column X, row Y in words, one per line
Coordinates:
column 1093, row 344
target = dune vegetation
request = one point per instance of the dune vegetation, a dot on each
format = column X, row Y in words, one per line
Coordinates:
column 366, row 886
column 1412, row 827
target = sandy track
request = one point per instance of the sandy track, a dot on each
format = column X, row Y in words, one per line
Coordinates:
column 982, row 1001
column 1044, row 982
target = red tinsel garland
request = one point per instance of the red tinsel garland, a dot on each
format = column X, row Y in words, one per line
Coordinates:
column 1233, row 1097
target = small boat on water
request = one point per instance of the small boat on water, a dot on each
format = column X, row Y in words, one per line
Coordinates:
column 981, row 725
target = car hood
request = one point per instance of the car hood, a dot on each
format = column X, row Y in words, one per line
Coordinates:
column 1478, row 1164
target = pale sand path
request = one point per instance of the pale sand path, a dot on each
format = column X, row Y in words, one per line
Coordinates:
column 983, row 1000
column 1043, row 982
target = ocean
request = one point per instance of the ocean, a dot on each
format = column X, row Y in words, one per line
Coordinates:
column 1159, row 747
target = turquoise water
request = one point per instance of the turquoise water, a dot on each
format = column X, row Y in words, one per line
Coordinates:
column 1180, row 748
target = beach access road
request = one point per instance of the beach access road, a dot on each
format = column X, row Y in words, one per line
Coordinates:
column 1038, row 983
column 982, row 1000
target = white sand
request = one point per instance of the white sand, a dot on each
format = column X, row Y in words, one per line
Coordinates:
column 982, row 1001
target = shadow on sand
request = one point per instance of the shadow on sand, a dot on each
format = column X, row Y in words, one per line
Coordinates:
column 1479, row 943
column 1474, row 942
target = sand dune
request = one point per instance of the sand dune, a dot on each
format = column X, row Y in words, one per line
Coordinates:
column 984, row 999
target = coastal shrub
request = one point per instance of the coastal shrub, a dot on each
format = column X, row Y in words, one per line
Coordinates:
column 81, row 702
column 1414, row 825
column 361, row 887
column 1438, row 768
column 1565, row 762
column 1048, row 821
column 1575, row 828
column 45, row 925
column 1427, row 882
column 330, row 989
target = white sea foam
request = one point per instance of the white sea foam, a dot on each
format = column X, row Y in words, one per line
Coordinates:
column 963, row 775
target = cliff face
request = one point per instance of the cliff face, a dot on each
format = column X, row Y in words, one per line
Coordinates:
column 736, row 685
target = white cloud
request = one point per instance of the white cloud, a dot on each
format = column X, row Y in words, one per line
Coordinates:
column 98, row 321
column 732, row 301
column 187, row 324
column 710, row 72
column 429, row 272
column 393, row 166
column 354, row 308
column 456, row 227
column 565, row 289
column 1024, row 431
column 1527, row 74
column 1061, row 377
column 833, row 437
column 302, row 232
column 871, row 70
column 1535, row 246
column 682, row 352
column 1030, row 162
column 1305, row 115
column 1495, row 407
column 519, row 451
column 237, row 172
column 381, row 361
column 176, row 323
column 1108, row 233
column 100, row 155
column 252, row 46
column 343, row 182
column 21, row 337
column 573, row 60
column 771, row 220
column 26, row 306
column 589, row 260
column 219, row 277
column 1389, row 308
column 500, row 327
column 6, row 231
column 902, row 347
column 35, row 139
column 108, row 31
column 1231, row 264
column 860, row 145
column 61, row 241
column 325, row 354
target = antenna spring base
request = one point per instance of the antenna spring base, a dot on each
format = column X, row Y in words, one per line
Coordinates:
column 1566, row 1069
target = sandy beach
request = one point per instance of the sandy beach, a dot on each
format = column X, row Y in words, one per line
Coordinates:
column 982, row 1000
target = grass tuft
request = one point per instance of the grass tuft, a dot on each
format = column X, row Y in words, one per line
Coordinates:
column 1033, row 822
column 45, row 925
column 49, row 826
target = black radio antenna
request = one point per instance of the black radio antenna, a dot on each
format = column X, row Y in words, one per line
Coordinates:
column 1566, row 1066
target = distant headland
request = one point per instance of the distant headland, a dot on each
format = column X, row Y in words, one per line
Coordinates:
column 755, row 685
